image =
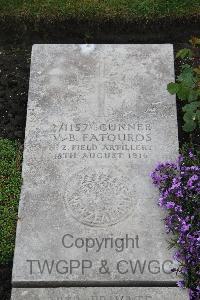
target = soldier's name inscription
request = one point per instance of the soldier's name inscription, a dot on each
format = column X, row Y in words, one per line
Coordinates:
column 102, row 140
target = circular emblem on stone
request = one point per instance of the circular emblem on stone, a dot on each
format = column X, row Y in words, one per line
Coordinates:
column 99, row 196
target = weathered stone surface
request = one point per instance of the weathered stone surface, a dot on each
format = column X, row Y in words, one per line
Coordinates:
column 99, row 118
column 100, row 293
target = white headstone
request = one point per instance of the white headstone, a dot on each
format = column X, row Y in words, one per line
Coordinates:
column 99, row 118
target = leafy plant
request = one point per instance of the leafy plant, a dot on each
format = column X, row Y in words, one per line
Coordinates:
column 187, row 87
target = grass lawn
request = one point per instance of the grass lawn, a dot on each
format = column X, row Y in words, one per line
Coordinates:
column 100, row 9
column 10, row 184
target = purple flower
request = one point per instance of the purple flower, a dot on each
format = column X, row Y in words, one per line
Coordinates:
column 185, row 227
column 180, row 159
column 191, row 155
column 181, row 284
column 191, row 181
column 170, row 205
column 179, row 193
column 161, row 202
column 178, row 208
column 179, row 186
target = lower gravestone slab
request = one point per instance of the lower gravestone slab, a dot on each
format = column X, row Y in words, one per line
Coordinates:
column 99, row 118
column 106, row 293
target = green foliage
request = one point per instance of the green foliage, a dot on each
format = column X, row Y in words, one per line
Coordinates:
column 10, row 183
column 183, row 53
column 187, row 88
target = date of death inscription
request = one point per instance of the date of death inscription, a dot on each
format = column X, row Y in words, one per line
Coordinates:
column 102, row 140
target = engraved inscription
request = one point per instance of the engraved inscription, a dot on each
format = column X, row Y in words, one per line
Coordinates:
column 99, row 197
column 104, row 140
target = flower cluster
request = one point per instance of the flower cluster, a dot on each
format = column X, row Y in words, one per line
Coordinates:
column 179, row 186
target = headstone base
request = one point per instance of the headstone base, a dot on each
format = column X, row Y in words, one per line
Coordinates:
column 100, row 293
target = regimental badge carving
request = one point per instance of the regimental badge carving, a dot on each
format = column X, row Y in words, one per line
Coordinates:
column 99, row 196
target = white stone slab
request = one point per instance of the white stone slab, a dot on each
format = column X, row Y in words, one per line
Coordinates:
column 99, row 118
column 103, row 293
